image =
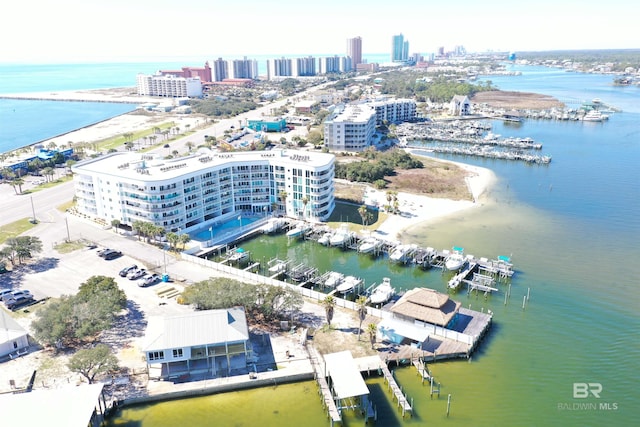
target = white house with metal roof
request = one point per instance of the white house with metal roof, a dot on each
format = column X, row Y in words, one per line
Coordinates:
column 192, row 192
column 14, row 339
column 209, row 342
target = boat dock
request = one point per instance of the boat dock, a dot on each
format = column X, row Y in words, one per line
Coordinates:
column 398, row 394
column 323, row 387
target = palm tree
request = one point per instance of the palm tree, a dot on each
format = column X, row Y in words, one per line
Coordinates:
column 283, row 199
column 115, row 223
column 362, row 210
column 175, row 153
column 305, row 201
column 17, row 182
column 48, row 172
column 190, row 145
column 329, row 304
column 173, row 240
column 184, row 239
column 372, row 328
column 361, row 303
column 138, row 227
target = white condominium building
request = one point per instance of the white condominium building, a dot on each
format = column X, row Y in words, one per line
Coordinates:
column 350, row 128
column 192, row 192
column 169, row 86
column 394, row 111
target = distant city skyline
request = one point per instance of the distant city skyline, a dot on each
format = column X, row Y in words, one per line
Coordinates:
column 121, row 30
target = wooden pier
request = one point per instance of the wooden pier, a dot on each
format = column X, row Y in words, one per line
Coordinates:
column 324, row 390
column 398, row 394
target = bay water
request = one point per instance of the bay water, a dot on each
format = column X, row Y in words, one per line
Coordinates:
column 572, row 230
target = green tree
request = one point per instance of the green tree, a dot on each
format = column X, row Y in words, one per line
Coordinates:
column 372, row 329
column 48, row 173
column 329, row 304
column 93, row 361
column 173, row 239
column 362, row 211
column 17, row 184
column 115, row 223
column 184, row 239
column 22, row 247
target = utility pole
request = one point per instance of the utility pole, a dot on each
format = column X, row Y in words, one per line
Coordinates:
column 33, row 210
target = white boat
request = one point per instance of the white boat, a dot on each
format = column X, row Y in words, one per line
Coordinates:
column 368, row 245
column 333, row 279
column 401, row 253
column 325, row 238
column 238, row 255
column 348, row 283
column 594, row 116
column 278, row 267
column 298, row 230
column 341, row 236
column 272, row 226
column 455, row 260
column 383, row 292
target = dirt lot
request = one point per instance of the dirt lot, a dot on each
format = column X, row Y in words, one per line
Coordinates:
column 516, row 100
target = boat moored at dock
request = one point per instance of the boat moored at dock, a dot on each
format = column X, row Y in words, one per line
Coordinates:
column 383, row 292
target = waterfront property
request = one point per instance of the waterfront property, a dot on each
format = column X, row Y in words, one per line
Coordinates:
column 192, row 192
column 211, row 343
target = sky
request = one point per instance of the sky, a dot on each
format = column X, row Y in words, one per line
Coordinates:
column 40, row 31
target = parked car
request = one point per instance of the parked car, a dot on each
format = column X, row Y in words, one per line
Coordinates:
column 148, row 280
column 104, row 251
column 15, row 302
column 136, row 274
column 112, row 255
column 5, row 293
column 21, row 292
column 127, row 270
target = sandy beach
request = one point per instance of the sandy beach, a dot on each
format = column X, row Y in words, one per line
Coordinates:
column 416, row 209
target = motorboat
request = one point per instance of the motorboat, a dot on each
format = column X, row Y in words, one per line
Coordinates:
column 348, row 283
column 401, row 253
column 368, row 245
column 333, row 279
column 383, row 292
column 278, row 266
column 594, row 116
column 341, row 236
column 238, row 255
column 298, row 230
column 325, row 238
column 272, row 226
column 455, row 260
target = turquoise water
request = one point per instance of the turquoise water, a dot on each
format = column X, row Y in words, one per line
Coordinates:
column 226, row 226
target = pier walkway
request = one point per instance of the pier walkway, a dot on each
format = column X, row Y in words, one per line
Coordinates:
column 402, row 400
column 324, row 389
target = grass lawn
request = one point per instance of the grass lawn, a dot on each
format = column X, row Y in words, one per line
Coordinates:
column 14, row 229
column 49, row 184
column 66, row 247
column 347, row 212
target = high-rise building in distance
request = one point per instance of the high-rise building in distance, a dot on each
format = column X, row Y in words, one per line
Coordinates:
column 399, row 48
column 354, row 51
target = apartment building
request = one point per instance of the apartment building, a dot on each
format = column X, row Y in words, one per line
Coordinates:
column 394, row 111
column 191, row 192
column 169, row 86
column 350, row 128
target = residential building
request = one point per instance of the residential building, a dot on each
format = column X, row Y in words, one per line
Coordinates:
column 399, row 49
column 350, row 128
column 243, row 69
column 220, row 70
column 394, row 111
column 169, row 86
column 13, row 337
column 189, row 193
column 303, row 67
column 354, row 51
column 460, row 106
column 209, row 342
column 279, row 67
column 334, row 64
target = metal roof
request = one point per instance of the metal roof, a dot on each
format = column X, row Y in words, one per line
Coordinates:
column 68, row 406
column 197, row 328
column 345, row 375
